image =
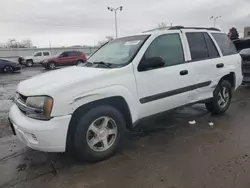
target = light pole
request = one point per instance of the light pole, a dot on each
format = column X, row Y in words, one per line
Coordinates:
column 215, row 18
column 115, row 10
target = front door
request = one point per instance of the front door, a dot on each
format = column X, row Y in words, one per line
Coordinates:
column 64, row 59
column 37, row 57
column 168, row 87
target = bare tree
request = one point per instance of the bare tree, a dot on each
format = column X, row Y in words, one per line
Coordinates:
column 162, row 25
column 13, row 43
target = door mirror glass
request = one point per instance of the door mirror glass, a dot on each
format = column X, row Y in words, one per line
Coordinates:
column 151, row 63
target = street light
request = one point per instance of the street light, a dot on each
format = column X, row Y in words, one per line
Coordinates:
column 215, row 18
column 115, row 10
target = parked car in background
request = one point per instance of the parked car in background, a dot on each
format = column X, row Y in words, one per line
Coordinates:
column 67, row 58
column 36, row 58
column 245, row 54
column 8, row 66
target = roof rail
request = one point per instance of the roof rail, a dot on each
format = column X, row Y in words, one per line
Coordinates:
column 182, row 27
column 162, row 28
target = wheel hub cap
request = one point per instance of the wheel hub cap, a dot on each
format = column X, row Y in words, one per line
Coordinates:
column 223, row 97
column 102, row 134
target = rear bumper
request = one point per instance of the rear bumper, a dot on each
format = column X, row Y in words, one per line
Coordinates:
column 48, row 136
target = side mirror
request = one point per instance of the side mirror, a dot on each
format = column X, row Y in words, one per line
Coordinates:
column 151, row 63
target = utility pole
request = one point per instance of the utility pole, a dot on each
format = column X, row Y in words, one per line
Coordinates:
column 214, row 18
column 115, row 10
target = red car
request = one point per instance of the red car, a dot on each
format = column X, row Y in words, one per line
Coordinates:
column 65, row 59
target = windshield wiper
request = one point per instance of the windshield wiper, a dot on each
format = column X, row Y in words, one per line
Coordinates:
column 103, row 63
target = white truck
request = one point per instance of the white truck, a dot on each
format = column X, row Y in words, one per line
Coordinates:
column 36, row 58
column 89, row 107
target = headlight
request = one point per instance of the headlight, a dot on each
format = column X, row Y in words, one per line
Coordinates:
column 41, row 105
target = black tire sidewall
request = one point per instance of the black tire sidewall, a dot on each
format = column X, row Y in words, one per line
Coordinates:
column 84, row 152
column 29, row 62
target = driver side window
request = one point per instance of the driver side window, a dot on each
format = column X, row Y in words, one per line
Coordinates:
column 168, row 47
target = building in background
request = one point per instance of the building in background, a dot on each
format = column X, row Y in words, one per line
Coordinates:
column 246, row 32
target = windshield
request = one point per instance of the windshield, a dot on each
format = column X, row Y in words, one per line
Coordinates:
column 119, row 51
column 245, row 51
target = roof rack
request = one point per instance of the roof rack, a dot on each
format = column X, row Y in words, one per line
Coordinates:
column 182, row 27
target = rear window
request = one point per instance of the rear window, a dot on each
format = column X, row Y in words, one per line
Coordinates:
column 74, row 53
column 226, row 45
column 46, row 53
column 198, row 46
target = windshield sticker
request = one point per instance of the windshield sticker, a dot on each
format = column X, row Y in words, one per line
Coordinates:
column 135, row 42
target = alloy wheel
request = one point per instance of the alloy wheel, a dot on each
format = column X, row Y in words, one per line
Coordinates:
column 102, row 134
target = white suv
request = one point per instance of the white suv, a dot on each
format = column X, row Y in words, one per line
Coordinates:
column 36, row 58
column 89, row 107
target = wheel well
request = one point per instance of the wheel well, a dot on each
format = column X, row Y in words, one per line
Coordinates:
column 29, row 60
column 229, row 77
column 117, row 102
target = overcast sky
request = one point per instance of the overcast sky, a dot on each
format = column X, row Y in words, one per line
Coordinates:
column 79, row 22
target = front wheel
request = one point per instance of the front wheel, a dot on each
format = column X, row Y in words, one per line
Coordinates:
column 8, row 69
column 29, row 63
column 222, row 98
column 99, row 133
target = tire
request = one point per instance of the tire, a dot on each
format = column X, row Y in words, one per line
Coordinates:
column 8, row 69
column 29, row 63
column 221, row 101
column 79, row 62
column 84, row 134
column 51, row 65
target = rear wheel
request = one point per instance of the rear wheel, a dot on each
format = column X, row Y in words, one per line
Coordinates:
column 51, row 65
column 79, row 61
column 8, row 69
column 99, row 133
column 29, row 63
column 222, row 98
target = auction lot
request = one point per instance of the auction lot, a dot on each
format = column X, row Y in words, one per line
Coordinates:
column 166, row 151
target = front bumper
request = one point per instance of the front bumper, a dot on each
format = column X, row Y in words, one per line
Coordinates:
column 17, row 68
column 48, row 136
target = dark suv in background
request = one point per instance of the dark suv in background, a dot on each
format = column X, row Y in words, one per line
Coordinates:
column 66, row 58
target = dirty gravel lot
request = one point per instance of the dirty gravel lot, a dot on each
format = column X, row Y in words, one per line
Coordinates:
column 162, row 152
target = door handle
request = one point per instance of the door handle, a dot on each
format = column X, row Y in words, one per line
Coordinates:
column 220, row 65
column 183, row 72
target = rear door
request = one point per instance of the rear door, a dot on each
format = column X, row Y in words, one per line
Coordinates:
column 74, row 56
column 203, row 56
column 46, row 55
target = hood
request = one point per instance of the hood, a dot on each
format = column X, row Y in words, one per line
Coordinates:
column 46, row 83
column 10, row 61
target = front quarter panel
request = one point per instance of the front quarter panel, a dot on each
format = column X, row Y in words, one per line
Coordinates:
column 114, row 83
